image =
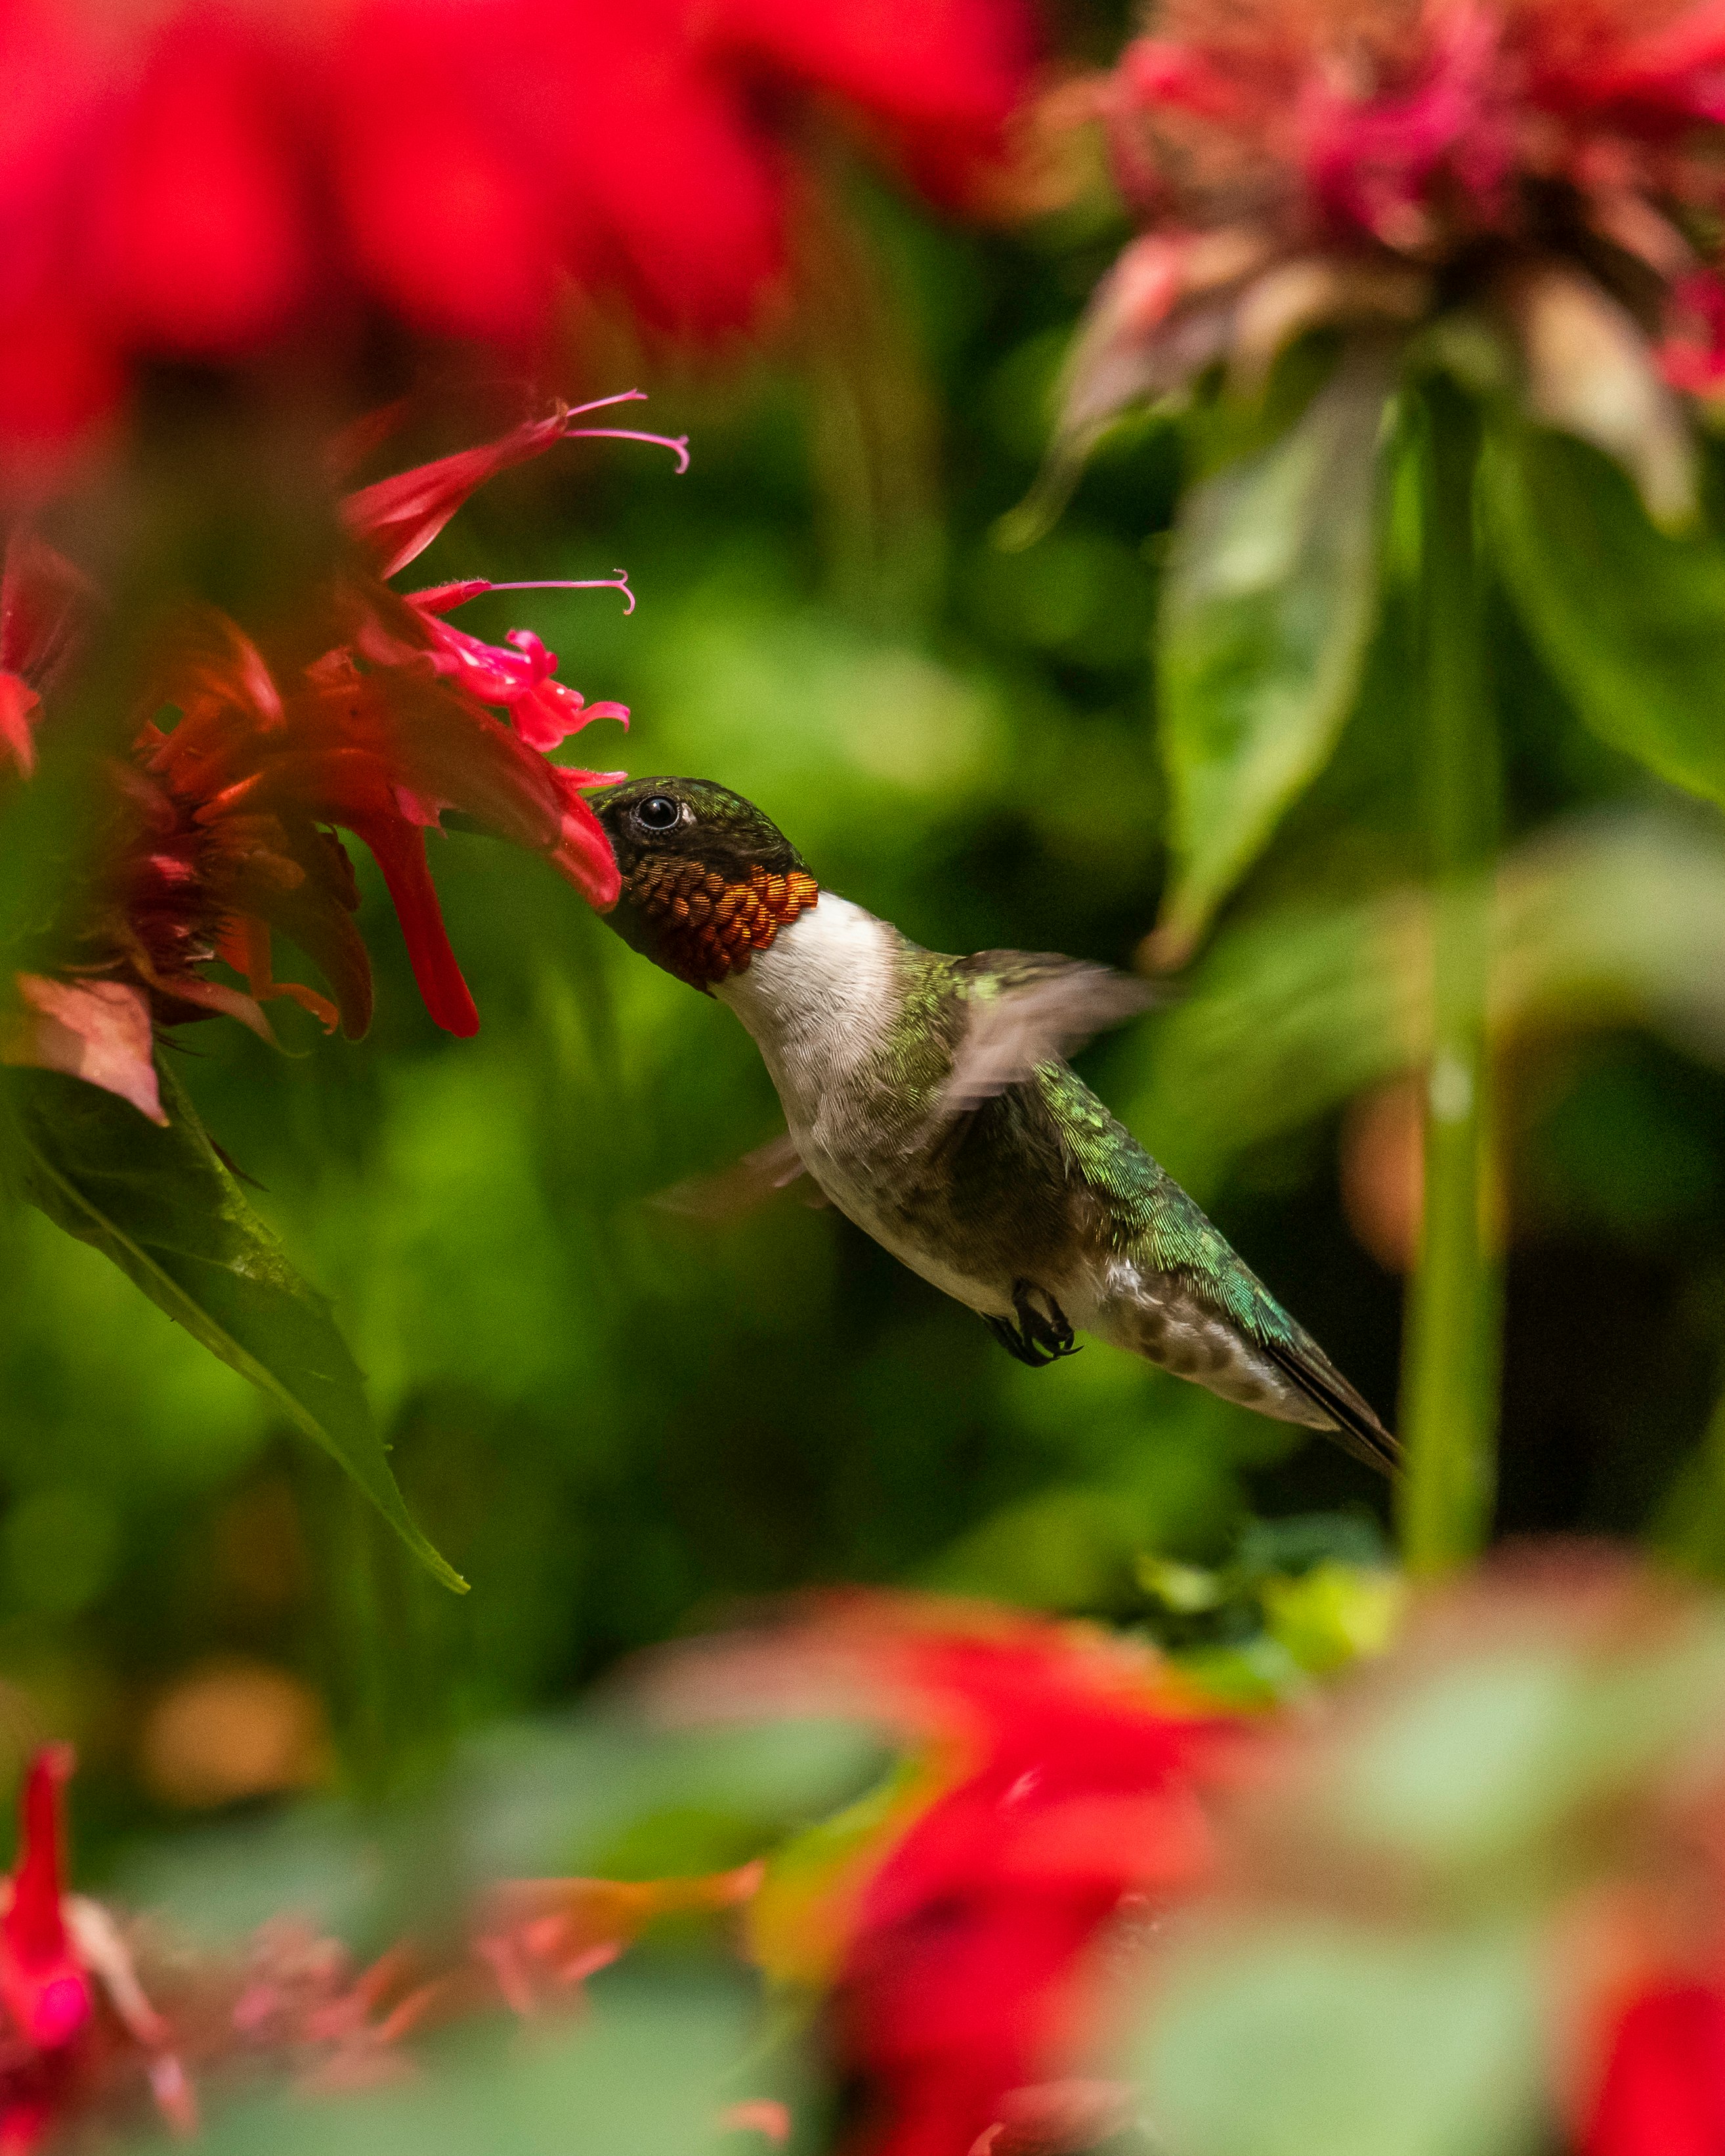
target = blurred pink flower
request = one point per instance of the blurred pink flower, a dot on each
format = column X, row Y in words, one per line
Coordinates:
column 1421, row 125
column 84, row 2055
column 1372, row 162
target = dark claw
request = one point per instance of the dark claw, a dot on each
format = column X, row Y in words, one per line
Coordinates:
column 1040, row 1336
column 1015, row 1344
column 1047, row 1329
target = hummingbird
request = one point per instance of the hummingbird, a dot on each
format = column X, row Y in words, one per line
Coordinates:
column 930, row 1100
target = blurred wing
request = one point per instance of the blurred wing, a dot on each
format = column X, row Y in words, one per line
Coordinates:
column 734, row 1191
column 1043, row 1009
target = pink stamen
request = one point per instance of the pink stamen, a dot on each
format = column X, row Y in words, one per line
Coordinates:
column 617, row 582
column 444, row 598
column 679, row 443
column 617, row 397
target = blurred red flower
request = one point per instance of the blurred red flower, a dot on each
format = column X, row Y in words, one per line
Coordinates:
column 43, row 603
column 1664, row 2089
column 199, row 179
column 75, row 2018
column 43, row 1987
column 378, row 720
column 1072, row 1794
column 1372, row 161
column 1054, row 1792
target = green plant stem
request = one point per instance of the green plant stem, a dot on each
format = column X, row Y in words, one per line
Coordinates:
column 1450, row 1373
column 373, row 1639
column 1687, row 1529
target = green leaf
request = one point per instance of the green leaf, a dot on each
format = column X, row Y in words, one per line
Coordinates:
column 1630, row 619
column 1552, row 1736
column 1604, row 921
column 1360, row 2044
column 1270, row 599
column 161, row 1203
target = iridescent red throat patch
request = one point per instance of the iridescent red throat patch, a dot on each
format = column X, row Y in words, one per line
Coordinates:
column 710, row 927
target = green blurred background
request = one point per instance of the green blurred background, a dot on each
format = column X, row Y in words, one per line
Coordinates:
column 618, row 1424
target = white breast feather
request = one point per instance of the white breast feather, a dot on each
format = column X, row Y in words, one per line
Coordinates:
column 819, row 1001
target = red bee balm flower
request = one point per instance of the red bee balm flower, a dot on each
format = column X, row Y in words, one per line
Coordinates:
column 1071, row 1794
column 201, row 181
column 1054, row 1789
column 1373, row 161
column 218, row 829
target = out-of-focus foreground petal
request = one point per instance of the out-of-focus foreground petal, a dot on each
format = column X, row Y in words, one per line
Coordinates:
column 1052, row 1789
column 199, row 182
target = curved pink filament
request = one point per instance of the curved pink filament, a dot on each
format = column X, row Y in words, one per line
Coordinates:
column 617, row 397
column 617, row 582
column 678, row 444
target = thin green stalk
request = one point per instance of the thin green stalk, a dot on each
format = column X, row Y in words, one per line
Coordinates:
column 1450, row 1375
column 357, row 1673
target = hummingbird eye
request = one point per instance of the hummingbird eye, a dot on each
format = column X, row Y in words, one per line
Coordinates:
column 658, row 813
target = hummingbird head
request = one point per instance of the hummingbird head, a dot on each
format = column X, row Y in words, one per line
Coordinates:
column 707, row 880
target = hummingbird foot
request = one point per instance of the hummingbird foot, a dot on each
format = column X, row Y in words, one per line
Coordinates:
column 1041, row 1336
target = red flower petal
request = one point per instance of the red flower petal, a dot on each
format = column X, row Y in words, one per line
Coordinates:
column 446, row 220
column 19, row 704
column 399, row 847
column 60, row 375
column 1693, row 356
column 44, row 600
column 1059, row 1773
column 552, row 711
column 583, row 853
column 947, row 73
column 1664, row 2091
column 396, row 519
column 200, row 243
column 41, row 1985
column 32, row 1926
column 683, row 209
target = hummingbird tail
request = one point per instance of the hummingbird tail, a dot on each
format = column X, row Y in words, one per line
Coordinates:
column 1355, row 1427
column 1273, row 1365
